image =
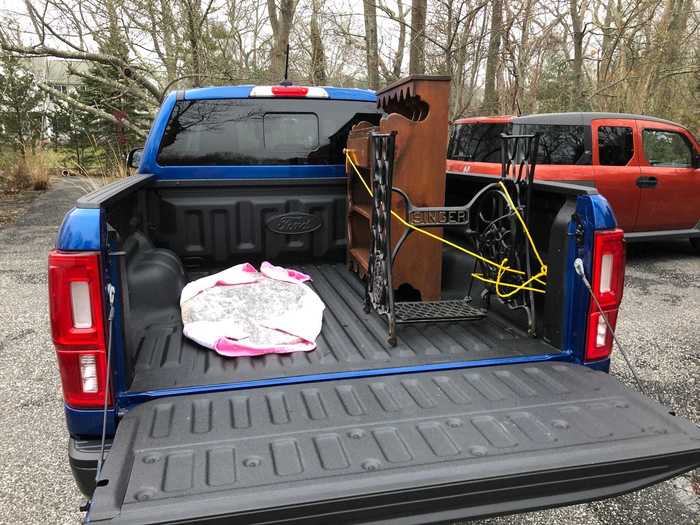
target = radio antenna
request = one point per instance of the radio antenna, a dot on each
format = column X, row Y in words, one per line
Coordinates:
column 286, row 81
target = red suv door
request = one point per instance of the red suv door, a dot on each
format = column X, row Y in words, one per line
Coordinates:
column 670, row 185
column 616, row 151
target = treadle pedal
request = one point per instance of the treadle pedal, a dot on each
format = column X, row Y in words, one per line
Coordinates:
column 436, row 311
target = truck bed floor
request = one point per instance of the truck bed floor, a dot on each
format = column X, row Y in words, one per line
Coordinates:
column 351, row 340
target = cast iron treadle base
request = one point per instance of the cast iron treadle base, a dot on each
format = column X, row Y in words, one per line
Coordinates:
column 436, row 311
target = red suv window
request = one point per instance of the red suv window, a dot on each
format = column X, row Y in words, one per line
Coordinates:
column 667, row 148
column 615, row 145
column 479, row 142
column 560, row 144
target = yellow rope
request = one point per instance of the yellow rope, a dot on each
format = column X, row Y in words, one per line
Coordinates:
column 502, row 268
column 525, row 228
column 523, row 286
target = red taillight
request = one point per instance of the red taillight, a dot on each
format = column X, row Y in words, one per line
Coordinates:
column 83, row 377
column 607, row 283
column 599, row 339
column 77, row 326
column 75, row 299
column 608, row 267
column 289, row 91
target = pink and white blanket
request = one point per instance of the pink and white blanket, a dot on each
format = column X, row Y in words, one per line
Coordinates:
column 245, row 312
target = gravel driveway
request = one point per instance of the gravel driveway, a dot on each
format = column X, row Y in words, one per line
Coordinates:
column 658, row 326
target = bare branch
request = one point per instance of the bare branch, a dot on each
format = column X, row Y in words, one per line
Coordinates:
column 103, row 115
column 100, row 58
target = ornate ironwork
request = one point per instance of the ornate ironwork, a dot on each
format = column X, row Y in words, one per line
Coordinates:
column 488, row 217
column 379, row 293
column 496, row 232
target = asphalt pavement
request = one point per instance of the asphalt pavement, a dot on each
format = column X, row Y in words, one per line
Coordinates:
column 658, row 327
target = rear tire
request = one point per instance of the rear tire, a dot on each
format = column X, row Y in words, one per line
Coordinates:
column 695, row 243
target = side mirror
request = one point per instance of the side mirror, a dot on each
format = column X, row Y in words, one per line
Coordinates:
column 696, row 160
column 133, row 158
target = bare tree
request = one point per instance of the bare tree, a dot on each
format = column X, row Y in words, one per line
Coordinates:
column 577, row 9
column 490, row 104
column 91, row 109
column 281, row 19
column 503, row 55
column 318, row 56
column 391, row 68
column 370, row 15
column 665, row 53
column 417, row 58
column 194, row 20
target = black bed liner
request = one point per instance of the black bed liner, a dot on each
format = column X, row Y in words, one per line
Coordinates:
column 414, row 448
column 350, row 340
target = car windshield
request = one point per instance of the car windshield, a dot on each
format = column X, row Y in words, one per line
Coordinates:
column 260, row 131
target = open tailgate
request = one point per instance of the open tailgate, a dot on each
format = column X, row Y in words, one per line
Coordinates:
column 411, row 448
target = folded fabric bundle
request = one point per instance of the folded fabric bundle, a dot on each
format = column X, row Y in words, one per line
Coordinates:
column 245, row 312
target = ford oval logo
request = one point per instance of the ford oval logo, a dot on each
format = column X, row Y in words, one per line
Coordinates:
column 294, row 223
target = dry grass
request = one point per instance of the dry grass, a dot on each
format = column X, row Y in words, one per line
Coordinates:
column 33, row 171
column 89, row 182
column 107, row 167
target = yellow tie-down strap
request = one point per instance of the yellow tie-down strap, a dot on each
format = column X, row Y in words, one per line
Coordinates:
column 502, row 267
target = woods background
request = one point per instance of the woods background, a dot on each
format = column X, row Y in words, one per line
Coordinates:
column 504, row 56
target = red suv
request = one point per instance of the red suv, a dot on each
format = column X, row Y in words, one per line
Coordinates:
column 648, row 168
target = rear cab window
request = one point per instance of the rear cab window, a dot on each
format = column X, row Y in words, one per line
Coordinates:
column 235, row 132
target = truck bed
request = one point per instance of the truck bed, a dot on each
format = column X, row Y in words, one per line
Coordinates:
column 350, row 340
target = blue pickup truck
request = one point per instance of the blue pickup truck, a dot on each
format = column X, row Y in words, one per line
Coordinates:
column 455, row 421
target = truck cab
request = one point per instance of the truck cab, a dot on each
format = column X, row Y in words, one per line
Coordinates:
column 647, row 168
column 457, row 420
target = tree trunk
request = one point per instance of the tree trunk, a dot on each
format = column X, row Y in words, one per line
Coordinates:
column 447, row 65
column 577, row 89
column 490, row 104
column 523, row 64
column 168, row 30
column 281, row 21
column 193, row 14
column 606, row 50
column 318, row 57
column 370, row 11
column 416, row 65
